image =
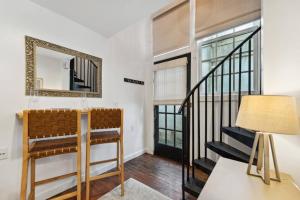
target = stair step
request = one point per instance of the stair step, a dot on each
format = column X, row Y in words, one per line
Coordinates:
column 205, row 164
column 78, row 80
column 228, row 151
column 83, row 86
column 242, row 135
column 193, row 186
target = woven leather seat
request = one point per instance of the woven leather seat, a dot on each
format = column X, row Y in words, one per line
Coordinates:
column 45, row 148
column 104, row 137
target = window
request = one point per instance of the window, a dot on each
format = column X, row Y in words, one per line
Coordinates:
column 213, row 49
column 169, row 126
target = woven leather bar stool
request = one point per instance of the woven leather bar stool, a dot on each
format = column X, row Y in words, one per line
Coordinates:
column 48, row 124
column 98, row 121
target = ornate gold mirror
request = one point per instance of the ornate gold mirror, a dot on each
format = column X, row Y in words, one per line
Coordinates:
column 53, row 70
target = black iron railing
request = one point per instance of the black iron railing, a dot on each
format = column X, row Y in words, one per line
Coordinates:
column 193, row 98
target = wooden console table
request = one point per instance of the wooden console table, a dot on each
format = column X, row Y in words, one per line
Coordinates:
column 229, row 181
column 20, row 114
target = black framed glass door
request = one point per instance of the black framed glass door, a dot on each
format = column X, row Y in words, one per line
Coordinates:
column 168, row 123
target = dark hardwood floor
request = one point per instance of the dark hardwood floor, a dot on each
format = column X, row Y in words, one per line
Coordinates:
column 159, row 173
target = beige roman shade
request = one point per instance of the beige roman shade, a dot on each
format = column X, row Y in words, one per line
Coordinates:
column 170, row 81
column 217, row 15
column 171, row 28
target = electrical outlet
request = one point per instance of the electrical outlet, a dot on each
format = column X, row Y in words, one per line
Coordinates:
column 3, row 153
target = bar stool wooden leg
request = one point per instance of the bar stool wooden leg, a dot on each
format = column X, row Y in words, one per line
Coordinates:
column 118, row 155
column 79, row 172
column 87, row 171
column 24, row 177
column 122, row 152
column 32, row 174
column 88, row 154
column 25, row 158
column 122, row 166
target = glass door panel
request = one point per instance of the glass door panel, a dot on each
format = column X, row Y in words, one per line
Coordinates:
column 168, row 131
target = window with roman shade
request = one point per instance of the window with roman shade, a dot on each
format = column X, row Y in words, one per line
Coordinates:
column 171, row 28
column 217, row 15
column 170, row 81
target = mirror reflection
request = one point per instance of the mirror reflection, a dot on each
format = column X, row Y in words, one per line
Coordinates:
column 60, row 71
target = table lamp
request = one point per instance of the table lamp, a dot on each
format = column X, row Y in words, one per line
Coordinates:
column 267, row 115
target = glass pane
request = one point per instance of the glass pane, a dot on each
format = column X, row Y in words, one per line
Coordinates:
column 244, row 81
column 170, row 138
column 170, row 109
column 241, row 38
column 224, row 47
column 170, row 121
column 178, row 143
column 226, row 66
column 226, row 84
column 209, row 85
column 177, row 108
column 178, row 122
column 161, row 121
column 245, row 63
column 206, row 67
column 161, row 138
column 207, row 52
column 215, row 82
column 161, row 108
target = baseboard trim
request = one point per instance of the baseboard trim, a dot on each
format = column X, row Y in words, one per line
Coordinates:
column 149, row 151
column 71, row 183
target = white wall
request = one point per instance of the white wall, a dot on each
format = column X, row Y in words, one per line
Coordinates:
column 281, row 63
column 125, row 54
column 132, row 49
column 53, row 72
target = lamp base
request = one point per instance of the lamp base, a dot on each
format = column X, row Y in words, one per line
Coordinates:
column 264, row 141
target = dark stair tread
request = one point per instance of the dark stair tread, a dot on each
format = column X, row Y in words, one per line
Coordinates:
column 228, row 151
column 205, row 164
column 193, row 186
column 78, row 80
column 242, row 135
column 83, row 86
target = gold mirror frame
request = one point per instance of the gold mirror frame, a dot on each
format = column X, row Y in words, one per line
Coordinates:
column 30, row 50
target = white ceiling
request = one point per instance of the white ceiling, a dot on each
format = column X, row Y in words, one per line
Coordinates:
column 106, row 17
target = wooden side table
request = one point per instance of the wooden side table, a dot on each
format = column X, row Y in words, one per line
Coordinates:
column 229, row 181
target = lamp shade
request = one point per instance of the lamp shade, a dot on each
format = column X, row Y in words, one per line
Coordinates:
column 270, row 114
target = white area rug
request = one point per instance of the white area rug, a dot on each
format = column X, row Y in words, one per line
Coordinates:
column 134, row 190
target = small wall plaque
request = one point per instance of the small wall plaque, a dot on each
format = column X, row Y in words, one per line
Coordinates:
column 128, row 80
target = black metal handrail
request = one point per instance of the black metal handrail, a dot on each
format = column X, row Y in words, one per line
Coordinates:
column 192, row 117
column 215, row 68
